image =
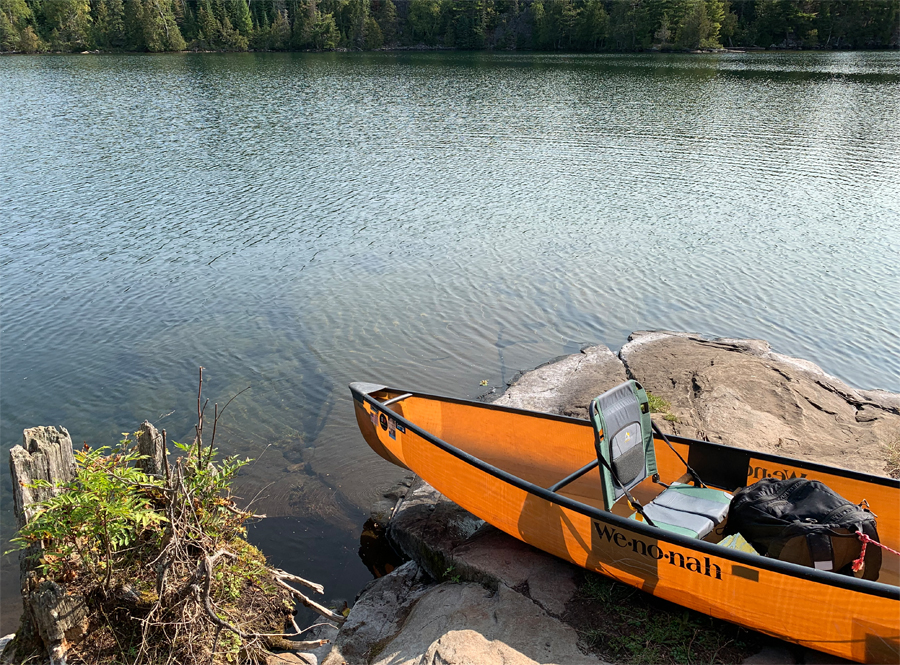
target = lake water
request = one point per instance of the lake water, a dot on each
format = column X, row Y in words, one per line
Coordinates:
column 294, row 222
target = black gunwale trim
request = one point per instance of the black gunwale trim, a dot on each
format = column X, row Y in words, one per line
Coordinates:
column 755, row 561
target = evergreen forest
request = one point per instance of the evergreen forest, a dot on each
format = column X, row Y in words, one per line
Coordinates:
column 34, row 26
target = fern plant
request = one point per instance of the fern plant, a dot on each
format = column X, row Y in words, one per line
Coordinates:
column 95, row 519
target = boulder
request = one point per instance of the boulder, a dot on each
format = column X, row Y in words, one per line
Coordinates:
column 470, row 594
column 427, row 527
column 733, row 391
column 566, row 385
column 739, row 392
column 467, row 623
column 378, row 614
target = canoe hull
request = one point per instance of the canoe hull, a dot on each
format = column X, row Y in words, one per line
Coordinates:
column 846, row 617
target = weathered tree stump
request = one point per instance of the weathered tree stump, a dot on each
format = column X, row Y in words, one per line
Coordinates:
column 50, row 614
column 61, row 618
column 45, row 454
column 150, row 443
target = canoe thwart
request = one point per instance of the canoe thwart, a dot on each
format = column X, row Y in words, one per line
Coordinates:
column 574, row 476
column 396, row 399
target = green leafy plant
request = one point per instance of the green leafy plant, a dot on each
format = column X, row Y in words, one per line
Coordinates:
column 86, row 528
column 449, row 577
column 660, row 405
column 162, row 560
column 657, row 404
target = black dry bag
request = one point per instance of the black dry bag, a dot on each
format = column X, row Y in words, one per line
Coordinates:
column 803, row 521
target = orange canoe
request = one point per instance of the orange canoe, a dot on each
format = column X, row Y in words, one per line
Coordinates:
column 498, row 463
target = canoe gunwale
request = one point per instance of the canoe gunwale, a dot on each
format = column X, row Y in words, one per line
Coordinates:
column 754, row 560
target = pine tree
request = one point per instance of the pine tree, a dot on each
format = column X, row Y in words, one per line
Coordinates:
column 69, row 22
column 699, row 29
column 424, row 20
column 540, row 33
column 358, row 11
column 594, row 26
column 109, row 24
column 208, row 27
column 374, row 37
column 305, row 19
column 715, row 13
column 387, row 22
column 133, row 20
column 161, row 32
column 325, row 33
column 240, row 17
column 630, row 25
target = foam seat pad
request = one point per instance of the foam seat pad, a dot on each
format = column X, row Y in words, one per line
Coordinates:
column 676, row 521
column 704, row 501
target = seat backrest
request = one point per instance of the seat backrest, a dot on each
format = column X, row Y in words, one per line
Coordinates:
column 624, row 438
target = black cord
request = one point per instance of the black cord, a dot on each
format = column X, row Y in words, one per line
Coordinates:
column 669, row 443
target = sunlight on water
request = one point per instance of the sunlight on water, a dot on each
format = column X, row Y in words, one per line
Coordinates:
column 295, row 222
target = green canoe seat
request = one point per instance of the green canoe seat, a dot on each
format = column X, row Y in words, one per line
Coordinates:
column 625, row 450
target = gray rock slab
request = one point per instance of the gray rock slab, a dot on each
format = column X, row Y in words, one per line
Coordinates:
column 495, row 558
column 467, row 623
column 740, row 393
column 521, row 588
column 449, row 542
column 427, row 526
column 291, row 658
column 565, row 386
column 383, row 508
column 378, row 614
column 321, row 630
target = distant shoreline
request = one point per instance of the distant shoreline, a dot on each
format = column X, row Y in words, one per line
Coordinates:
column 428, row 49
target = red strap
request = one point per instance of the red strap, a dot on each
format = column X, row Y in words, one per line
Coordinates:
column 858, row 564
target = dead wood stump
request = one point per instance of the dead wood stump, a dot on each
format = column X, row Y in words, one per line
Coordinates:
column 51, row 619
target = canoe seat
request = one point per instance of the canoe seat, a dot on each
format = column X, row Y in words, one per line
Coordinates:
column 688, row 510
column 626, row 455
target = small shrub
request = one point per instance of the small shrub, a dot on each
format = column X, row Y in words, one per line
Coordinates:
column 657, row 404
column 892, row 466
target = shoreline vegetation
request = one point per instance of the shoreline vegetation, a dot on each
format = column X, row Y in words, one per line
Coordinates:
column 130, row 557
column 591, row 26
